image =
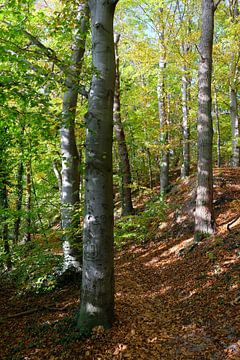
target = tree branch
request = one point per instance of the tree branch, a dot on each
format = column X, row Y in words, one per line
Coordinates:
column 216, row 5
column 50, row 53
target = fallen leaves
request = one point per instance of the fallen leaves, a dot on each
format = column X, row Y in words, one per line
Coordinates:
column 168, row 307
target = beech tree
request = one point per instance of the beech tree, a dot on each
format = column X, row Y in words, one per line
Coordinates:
column 124, row 165
column 70, row 174
column 233, row 91
column 204, row 217
column 97, row 293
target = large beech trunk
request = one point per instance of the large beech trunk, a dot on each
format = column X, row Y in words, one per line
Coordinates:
column 97, row 293
column 70, row 177
column 125, row 172
column 204, row 218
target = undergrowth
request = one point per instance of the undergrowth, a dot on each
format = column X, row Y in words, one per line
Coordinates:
column 33, row 268
column 140, row 228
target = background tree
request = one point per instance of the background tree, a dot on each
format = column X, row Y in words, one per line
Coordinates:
column 124, row 166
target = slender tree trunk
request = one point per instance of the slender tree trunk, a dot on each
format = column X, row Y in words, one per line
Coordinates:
column 233, row 96
column 134, row 172
column 97, row 293
column 28, row 198
column 57, row 172
column 185, row 123
column 19, row 188
column 235, row 127
column 217, row 129
column 204, row 218
column 4, row 223
column 164, row 159
column 149, row 168
column 125, row 173
column 18, row 201
column 70, row 156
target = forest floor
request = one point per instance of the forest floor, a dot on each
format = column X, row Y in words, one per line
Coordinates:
column 172, row 302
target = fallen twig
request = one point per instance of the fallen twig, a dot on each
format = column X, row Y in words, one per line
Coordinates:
column 31, row 311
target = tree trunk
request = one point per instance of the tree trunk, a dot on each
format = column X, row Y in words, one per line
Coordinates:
column 233, row 96
column 19, row 190
column 124, row 166
column 57, row 172
column 4, row 223
column 185, row 125
column 164, row 159
column 70, row 156
column 235, row 127
column 217, row 129
column 97, row 293
column 28, row 197
column 149, row 168
column 204, row 218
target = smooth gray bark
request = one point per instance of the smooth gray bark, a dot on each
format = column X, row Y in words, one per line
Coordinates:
column 204, row 217
column 124, row 165
column 70, row 176
column 235, row 127
column 185, row 169
column 235, row 160
column 217, row 128
column 164, row 158
column 97, row 293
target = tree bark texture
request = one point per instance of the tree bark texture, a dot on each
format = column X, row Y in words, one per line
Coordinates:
column 235, row 127
column 164, row 158
column 204, row 218
column 124, row 165
column 70, row 157
column 185, row 123
column 235, row 161
column 217, row 129
column 97, row 293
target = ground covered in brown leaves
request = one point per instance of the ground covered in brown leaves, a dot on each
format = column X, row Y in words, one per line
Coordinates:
column 171, row 302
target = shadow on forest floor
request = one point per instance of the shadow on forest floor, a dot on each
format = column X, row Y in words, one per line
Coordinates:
column 167, row 306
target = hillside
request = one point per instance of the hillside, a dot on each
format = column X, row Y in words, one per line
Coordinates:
column 173, row 301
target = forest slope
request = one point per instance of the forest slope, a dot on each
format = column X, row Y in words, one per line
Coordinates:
column 172, row 301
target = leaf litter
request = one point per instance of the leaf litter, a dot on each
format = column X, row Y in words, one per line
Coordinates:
column 170, row 304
